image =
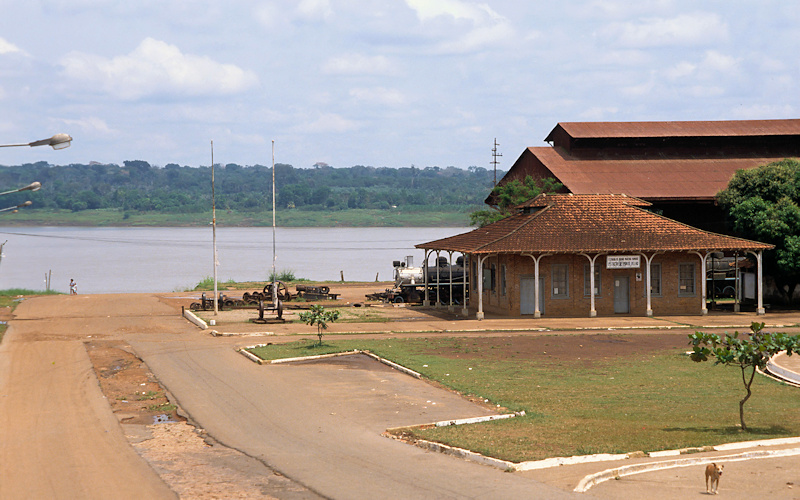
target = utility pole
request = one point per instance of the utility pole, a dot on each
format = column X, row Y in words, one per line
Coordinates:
column 495, row 155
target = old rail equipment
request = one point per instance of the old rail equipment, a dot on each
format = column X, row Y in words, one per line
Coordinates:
column 410, row 282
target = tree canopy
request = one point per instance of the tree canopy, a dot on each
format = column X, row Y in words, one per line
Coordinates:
column 137, row 186
column 511, row 194
column 764, row 204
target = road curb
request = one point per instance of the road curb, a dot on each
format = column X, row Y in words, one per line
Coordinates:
column 193, row 318
column 594, row 479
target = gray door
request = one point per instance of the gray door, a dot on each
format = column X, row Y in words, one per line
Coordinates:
column 526, row 290
column 622, row 303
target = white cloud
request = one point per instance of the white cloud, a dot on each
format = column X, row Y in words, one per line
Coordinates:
column 430, row 9
column 154, row 68
column 358, row 64
column 314, row 10
column 685, row 29
column 462, row 26
column 379, row 95
column 330, row 123
column 7, row 47
column 91, row 124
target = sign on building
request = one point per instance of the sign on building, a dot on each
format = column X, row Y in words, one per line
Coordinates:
column 623, row 261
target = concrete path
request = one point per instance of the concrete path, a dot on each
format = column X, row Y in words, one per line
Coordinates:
column 320, row 422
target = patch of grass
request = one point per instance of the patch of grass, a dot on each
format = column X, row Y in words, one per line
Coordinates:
column 149, row 396
column 163, row 408
column 649, row 401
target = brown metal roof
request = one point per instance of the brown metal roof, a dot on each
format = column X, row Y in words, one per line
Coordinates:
column 650, row 178
column 588, row 223
column 741, row 128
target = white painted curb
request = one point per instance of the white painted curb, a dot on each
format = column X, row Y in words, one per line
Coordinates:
column 780, row 372
column 594, row 479
column 194, row 319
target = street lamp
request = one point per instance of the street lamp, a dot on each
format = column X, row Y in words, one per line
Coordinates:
column 14, row 208
column 58, row 141
column 33, row 186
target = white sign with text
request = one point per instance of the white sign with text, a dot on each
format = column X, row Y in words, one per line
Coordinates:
column 623, row 261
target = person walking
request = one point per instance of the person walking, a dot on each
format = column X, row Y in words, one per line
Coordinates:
column 73, row 287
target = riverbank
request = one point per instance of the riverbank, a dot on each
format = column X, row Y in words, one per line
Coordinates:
column 227, row 218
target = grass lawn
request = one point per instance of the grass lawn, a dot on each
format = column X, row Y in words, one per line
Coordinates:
column 584, row 394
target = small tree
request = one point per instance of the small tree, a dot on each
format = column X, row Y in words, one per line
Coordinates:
column 748, row 354
column 317, row 315
column 511, row 194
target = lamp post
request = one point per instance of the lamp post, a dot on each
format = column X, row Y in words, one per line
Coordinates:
column 58, row 141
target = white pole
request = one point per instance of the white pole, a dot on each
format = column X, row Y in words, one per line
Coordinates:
column 274, row 275
column 214, row 229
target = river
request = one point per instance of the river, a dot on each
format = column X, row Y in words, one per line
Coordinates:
column 118, row 260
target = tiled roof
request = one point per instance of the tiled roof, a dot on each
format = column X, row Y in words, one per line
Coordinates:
column 650, row 178
column 740, row 128
column 566, row 223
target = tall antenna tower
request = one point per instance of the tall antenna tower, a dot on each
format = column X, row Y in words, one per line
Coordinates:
column 495, row 155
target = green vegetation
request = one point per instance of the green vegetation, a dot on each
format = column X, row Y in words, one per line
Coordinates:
column 317, row 315
column 137, row 193
column 749, row 354
column 764, row 204
column 644, row 402
column 511, row 194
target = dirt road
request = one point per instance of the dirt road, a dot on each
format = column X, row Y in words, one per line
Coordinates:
column 302, row 431
column 319, row 424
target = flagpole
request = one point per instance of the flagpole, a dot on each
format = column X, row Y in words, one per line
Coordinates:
column 214, row 229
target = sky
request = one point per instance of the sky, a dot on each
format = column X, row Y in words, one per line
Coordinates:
column 375, row 82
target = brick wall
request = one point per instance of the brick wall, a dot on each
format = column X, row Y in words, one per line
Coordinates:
column 575, row 303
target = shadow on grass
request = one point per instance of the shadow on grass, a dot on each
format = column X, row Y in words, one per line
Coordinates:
column 774, row 430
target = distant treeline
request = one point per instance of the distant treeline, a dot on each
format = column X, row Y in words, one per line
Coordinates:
column 137, row 186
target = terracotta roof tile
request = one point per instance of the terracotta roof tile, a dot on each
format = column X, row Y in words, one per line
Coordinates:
column 740, row 128
column 566, row 223
column 651, row 178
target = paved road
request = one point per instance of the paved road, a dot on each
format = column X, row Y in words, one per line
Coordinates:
column 321, row 423
column 58, row 436
column 318, row 423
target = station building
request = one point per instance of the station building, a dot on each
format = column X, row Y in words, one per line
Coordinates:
column 571, row 255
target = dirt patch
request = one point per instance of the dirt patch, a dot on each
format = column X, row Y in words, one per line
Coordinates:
column 584, row 347
column 192, row 464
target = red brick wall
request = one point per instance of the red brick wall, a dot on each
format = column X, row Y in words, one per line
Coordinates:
column 576, row 304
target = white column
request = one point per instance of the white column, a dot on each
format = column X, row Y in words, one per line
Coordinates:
column 648, row 282
column 438, row 281
column 466, row 263
column 536, row 312
column 450, row 260
column 703, row 308
column 592, row 310
column 760, row 284
column 480, row 314
column 425, row 301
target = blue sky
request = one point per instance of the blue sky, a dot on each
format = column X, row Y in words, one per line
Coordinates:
column 376, row 82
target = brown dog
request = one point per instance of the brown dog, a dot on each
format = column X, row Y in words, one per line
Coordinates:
column 713, row 471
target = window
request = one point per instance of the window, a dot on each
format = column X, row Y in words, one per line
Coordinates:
column 493, row 278
column 686, row 280
column 489, row 279
column 655, row 280
column 587, row 281
column 560, row 281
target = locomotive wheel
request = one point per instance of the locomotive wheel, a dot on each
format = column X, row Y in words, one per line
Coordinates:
column 398, row 300
column 194, row 306
column 283, row 291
